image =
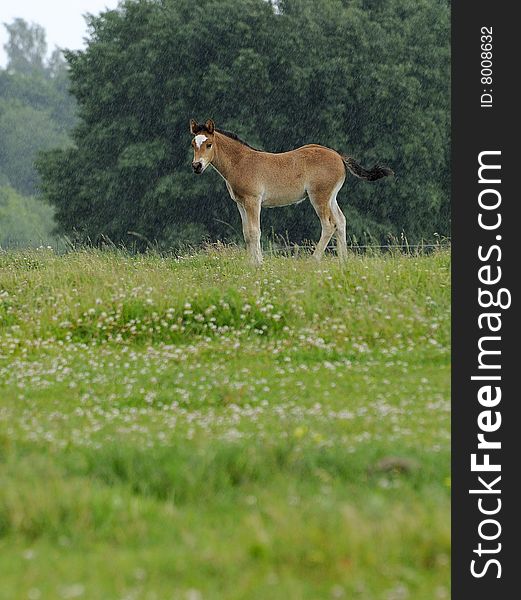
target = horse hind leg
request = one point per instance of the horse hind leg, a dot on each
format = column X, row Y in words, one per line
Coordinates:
column 322, row 204
column 341, row 236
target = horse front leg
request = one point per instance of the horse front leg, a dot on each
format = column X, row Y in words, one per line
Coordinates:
column 250, row 210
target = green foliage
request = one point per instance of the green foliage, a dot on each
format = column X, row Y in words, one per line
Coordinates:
column 36, row 109
column 368, row 78
column 26, row 47
column 24, row 132
column 241, row 461
column 24, row 221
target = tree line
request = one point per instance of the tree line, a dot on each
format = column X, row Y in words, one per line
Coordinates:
column 36, row 113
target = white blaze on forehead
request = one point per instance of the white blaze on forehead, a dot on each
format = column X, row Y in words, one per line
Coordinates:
column 199, row 139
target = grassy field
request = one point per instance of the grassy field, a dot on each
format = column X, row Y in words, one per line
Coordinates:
column 197, row 429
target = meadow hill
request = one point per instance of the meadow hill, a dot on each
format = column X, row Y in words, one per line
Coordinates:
column 197, row 416
column 175, row 422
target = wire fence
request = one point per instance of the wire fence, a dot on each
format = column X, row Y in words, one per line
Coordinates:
column 394, row 246
column 279, row 245
column 404, row 247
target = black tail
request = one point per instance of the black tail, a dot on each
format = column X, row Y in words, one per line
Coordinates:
column 377, row 172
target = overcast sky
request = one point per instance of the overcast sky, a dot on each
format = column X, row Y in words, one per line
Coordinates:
column 62, row 19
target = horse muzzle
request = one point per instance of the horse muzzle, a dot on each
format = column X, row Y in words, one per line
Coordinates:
column 197, row 167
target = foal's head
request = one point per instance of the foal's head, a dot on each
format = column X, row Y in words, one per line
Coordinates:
column 202, row 144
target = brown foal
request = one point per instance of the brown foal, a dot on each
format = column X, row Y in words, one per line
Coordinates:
column 257, row 179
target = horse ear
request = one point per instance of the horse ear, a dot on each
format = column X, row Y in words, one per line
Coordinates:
column 210, row 126
column 193, row 126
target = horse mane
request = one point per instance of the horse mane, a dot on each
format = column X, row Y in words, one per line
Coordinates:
column 230, row 134
column 235, row 137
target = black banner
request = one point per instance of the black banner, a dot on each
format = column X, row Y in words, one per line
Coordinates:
column 486, row 234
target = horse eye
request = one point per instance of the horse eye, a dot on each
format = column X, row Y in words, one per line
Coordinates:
column 208, row 145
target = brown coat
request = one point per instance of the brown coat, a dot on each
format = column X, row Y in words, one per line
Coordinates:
column 257, row 179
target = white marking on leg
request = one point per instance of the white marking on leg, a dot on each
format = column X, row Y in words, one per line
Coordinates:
column 340, row 222
column 341, row 239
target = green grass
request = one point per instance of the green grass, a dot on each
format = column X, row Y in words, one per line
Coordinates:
column 198, row 429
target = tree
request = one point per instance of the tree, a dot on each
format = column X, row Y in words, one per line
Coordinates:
column 367, row 77
column 25, row 131
column 26, row 48
column 36, row 109
column 24, row 221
